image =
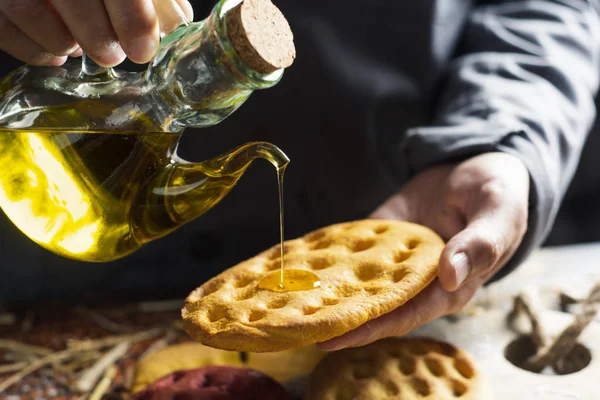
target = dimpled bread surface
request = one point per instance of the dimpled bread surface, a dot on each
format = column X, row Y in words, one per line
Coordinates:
column 406, row 369
column 367, row 268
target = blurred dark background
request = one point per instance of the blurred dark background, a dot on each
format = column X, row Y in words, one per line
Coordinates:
column 30, row 268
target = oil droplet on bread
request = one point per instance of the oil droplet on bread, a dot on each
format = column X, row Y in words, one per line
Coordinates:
column 293, row 280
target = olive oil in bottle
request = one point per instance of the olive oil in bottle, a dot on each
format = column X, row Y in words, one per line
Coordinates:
column 70, row 200
column 90, row 166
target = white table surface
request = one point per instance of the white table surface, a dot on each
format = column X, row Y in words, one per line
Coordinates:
column 575, row 269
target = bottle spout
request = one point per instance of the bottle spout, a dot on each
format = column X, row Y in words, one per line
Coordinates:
column 236, row 161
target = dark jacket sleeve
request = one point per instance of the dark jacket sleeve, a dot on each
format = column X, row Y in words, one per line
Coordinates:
column 523, row 83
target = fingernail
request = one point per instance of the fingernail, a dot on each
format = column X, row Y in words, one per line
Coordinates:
column 57, row 61
column 77, row 52
column 141, row 50
column 73, row 50
column 113, row 55
column 462, row 267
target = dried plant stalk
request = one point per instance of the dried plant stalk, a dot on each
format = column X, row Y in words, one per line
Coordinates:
column 103, row 322
column 5, row 369
column 78, row 362
column 567, row 339
column 90, row 377
column 104, row 384
column 17, row 347
column 21, row 357
column 564, row 301
column 528, row 303
column 34, row 366
column 88, row 345
column 159, row 344
column 27, row 359
column 129, row 377
column 75, row 347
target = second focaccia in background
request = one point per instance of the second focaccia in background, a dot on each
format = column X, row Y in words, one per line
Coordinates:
column 407, row 369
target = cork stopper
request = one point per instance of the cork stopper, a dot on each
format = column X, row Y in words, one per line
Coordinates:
column 261, row 36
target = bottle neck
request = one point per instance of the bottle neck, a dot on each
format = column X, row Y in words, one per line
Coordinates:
column 199, row 70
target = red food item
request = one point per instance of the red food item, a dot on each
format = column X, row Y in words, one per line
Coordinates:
column 214, row 383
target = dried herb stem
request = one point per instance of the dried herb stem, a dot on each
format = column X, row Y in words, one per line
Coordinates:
column 90, row 377
column 7, row 368
column 18, row 347
column 98, row 344
column 104, row 322
column 528, row 303
column 129, row 376
column 78, row 361
column 104, row 384
column 75, row 348
column 564, row 343
column 34, row 366
column 160, row 344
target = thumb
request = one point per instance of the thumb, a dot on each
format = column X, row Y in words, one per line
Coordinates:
column 489, row 239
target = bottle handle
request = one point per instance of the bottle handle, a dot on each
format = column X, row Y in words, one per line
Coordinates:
column 171, row 17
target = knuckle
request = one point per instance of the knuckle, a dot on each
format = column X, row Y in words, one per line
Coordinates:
column 457, row 303
column 145, row 26
column 454, row 307
column 491, row 248
column 493, row 191
column 415, row 320
column 136, row 22
column 371, row 333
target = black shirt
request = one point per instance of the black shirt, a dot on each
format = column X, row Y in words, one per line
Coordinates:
column 380, row 90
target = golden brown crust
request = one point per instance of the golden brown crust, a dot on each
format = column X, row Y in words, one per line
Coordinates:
column 408, row 368
column 261, row 36
column 367, row 268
